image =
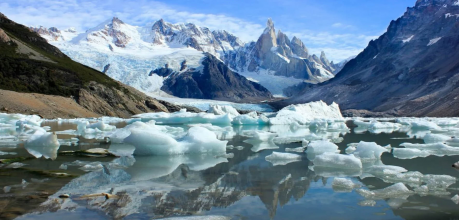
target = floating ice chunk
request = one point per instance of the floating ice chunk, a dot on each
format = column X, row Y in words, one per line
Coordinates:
column 362, row 124
column 15, row 165
column 433, row 146
column 250, row 119
column 438, row 149
column 183, row 117
column 438, row 181
column 409, row 153
column 150, row 142
column 297, row 149
column 369, row 151
column 424, row 125
column 303, row 113
column 424, row 189
column 385, row 170
column 394, row 191
column 350, row 149
column 340, row 161
column 455, row 199
column 200, row 140
column 343, row 185
column 277, row 158
column 101, row 126
column 383, row 127
column 320, row 147
column 261, row 140
column 223, row 133
column 435, row 138
column 412, row 178
column 223, row 110
column 63, row 167
column 42, row 144
column 239, row 148
column 121, row 150
column 92, row 166
column 453, row 142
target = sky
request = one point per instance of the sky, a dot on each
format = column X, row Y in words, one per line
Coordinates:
column 340, row 28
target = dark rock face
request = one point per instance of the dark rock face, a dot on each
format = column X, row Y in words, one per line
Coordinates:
column 163, row 71
column 412, row 69
column 106, row 68
column 214, row 81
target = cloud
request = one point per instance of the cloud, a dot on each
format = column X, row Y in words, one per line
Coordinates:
column 337, row 47
column 342, row 26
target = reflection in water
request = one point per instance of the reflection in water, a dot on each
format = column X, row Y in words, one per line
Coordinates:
column 257, row 184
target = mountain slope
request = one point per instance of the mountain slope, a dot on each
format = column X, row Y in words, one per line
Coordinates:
column 29, row 64
column 214, row 80
column 412, row 69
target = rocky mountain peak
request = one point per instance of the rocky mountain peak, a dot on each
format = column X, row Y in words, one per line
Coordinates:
column 324, row 59
column 270, row 24
column 299, row 48
column 116, row 20
column 51, row 33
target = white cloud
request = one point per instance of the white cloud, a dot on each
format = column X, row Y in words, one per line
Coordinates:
column 337, row 47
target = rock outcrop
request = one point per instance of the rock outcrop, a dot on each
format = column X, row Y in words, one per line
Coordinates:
column 4, row 37
column 213, row 80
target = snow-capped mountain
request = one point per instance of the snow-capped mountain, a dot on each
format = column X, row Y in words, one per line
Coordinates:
column 412, row 69
column 280, row 56
column 129, row 53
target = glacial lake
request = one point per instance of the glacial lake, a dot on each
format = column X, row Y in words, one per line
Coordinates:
column 243, row 184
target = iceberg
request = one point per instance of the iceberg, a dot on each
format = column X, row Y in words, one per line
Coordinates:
column 43, row 144
column 304, row 113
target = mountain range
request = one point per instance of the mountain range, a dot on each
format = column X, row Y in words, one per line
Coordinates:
column 129, row 54
column 412, row 69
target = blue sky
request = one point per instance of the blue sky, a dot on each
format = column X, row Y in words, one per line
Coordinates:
column 341, row 28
